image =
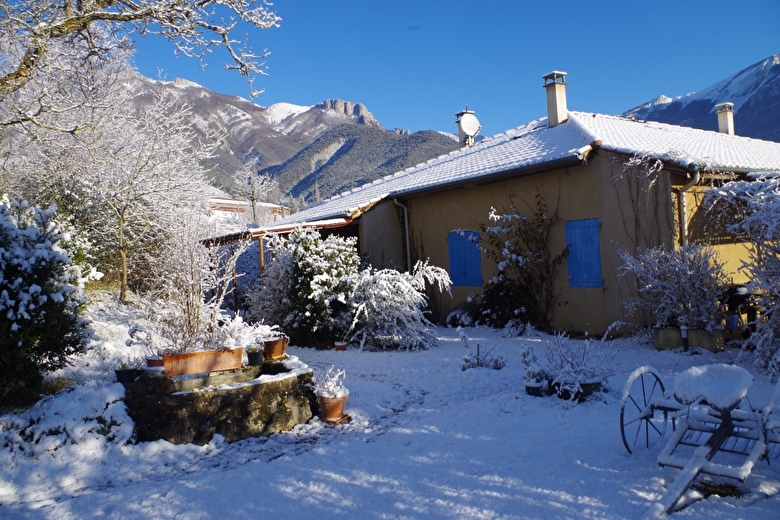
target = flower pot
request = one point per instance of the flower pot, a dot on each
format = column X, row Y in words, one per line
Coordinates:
column 340, row 345
column 154, row 361
column 670, row 339
column 126, row 375
column 273, row 349
column 332, row 408
column 585, row 390
column 254, row 358
column 153, row 371
column 534, row 388
column 204, row 361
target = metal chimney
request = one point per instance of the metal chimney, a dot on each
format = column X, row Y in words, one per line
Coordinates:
column 725, row 113
column 555, row 85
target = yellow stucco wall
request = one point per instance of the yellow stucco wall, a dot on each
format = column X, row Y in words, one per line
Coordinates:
column 595, row 190
column 702, row 227
column 636, row 210
column 381, row 236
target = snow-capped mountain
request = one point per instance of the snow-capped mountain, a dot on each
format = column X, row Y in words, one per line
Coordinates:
column 755, row 92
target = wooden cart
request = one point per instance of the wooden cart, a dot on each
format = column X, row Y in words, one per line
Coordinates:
column 715, row 430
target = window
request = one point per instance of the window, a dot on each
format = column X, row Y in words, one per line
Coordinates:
column 582, row 238
column 465, row 260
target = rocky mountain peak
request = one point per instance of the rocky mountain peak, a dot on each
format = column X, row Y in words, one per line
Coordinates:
column 348, row 108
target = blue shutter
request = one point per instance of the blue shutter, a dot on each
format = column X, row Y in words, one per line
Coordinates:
column 465, row 260
column 584, row 260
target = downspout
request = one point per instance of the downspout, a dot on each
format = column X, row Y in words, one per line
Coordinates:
column 683, row 206
column 406, row 233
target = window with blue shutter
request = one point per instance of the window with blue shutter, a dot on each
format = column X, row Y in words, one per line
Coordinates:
column 465, row 259
column 582, row 239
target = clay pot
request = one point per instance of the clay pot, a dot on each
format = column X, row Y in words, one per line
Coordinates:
column 340, row 345
column 273, row 349
column 154, row 361
column 587, row 389
column 534, row 388
column 332, row 408
column 254, row 358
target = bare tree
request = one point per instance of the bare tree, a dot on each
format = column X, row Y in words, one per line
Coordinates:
column 255, row 189
column 192, row 283
column 124, row 178
column 32, row 30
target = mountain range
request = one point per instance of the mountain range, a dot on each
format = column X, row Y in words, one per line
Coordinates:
column 755, row 92
column 314, row 152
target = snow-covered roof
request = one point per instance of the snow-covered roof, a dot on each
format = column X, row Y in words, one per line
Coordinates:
column 535, row 146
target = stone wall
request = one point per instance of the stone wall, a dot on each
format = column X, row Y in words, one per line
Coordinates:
column 237, row 403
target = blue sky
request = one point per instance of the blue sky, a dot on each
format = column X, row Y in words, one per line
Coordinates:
column 414, row 64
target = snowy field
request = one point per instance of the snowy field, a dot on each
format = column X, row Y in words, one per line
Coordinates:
column 426, row 440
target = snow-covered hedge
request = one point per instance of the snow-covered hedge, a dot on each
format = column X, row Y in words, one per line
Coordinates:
column 314, row 290
column 40, row 295
column 306, row 286
column 389, row 305
column 680, row 287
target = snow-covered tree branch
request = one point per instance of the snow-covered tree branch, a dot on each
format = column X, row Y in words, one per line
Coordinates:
column 31, row 29
column 679, row 287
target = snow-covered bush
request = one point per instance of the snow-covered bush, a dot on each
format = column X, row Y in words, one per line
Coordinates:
column 523, row 288
column 680, row 287
column 331, row 384
column 479, row 359
column 575, row 363
column 306, row 286
column 313, row 288
column 229, row 332
column 268, row 298
column 751, row 212
column 534, row 373
column 40, row 297
column 389, row 307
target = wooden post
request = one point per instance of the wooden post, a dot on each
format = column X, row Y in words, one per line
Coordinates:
column 262, row 256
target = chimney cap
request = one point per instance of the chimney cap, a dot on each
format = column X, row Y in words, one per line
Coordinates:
column 554, row 76
column 724, row 107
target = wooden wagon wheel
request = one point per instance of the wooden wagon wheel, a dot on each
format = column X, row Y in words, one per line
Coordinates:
column 641, row 423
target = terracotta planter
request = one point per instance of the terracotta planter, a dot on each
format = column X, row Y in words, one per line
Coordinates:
column 154, row 361
column 200, row 362
column 153, row 371
column 340, row 345
column 332, row 408
column 273, row 349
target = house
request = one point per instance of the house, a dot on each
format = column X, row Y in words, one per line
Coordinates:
column 618, row 184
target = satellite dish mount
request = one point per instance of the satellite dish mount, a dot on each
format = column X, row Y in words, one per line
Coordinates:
column 468, row 127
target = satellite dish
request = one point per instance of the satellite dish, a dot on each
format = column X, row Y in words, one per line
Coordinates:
column 469, row 124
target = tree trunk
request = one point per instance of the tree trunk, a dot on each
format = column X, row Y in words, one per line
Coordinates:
column 123, row 261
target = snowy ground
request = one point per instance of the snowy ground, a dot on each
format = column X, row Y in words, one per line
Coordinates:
column 427, row 440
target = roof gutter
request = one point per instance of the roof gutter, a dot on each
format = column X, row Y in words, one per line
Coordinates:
column 406, row 235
